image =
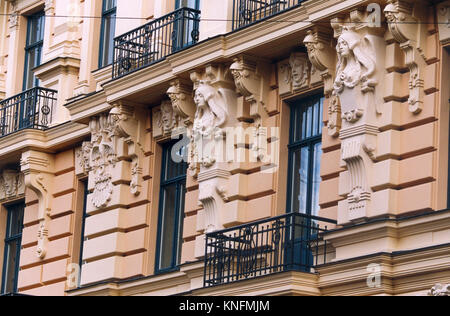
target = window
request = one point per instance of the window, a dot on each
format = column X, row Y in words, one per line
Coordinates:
column 107, row 32
column 13, row 242
column 193, row 4
column 186, row 26
column 33, row 49
column 83, row 225
column 171, row 208
column 305, row 151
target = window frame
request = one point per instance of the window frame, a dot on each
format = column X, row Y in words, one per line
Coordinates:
column 180, row 182
column 106, row 14
column 39, row 44
column 9, row 240
column 307, row 142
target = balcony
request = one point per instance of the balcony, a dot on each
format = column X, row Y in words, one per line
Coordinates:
column 154, row 41
column 31, row 109
column 292, row 242
column 247, row 12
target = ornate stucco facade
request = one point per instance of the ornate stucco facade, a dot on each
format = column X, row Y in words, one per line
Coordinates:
column 89, row 173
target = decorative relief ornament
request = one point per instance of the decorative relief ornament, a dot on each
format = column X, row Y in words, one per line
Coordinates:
column 37, row 168
column 300, row 70
column 215, row 98
column 334, row 116
column 14, row 16
column 356, row 97
column 180, row 93
column 11, row 184
column 251, row 77
column 165, row 120
column 322, row 55
column 117, row 134
column 406, row 20
column 355, row 67
column 440, row 290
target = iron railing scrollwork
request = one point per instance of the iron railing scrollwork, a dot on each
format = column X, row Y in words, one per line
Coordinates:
column 31, row 109
column 154, row 41
column 292, row 242
column 246, row 12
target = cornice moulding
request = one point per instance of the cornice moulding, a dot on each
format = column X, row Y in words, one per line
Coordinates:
column 56, row 66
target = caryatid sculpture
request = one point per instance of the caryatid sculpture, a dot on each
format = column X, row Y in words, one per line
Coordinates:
column 356, row 90
column 355, row 67
column 210, row 116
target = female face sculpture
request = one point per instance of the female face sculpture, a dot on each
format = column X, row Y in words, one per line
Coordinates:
column 355, row 63
column 343, row 48
column 211, row 111
column 167, row 114
column 299, row 69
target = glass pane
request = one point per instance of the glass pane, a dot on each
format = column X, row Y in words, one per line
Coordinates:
column 309, row 123
column 174, row 168
column 109, row 4
column 168, row 227
column 321, row 117
column 11, row 261
column 15, row 220
column 299, row 185
column 316, row 179
column 182, row 194
column 33, row 59
column 316, row 109
column 108, row 32
column 194, row 4
column 36, row 29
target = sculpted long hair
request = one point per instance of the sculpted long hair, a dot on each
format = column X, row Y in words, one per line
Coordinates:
column 362, row 56
column 215, row 103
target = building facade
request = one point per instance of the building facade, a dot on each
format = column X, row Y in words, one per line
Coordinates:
column 231, row 147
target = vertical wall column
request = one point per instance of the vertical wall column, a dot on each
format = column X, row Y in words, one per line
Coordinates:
column 90, row 44
column 16, row 52
column 117, row 234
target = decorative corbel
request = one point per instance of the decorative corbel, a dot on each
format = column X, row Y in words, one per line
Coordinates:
column 128, row 127
column 322, row 55
column 405, row 20
column 37, row 168
column 180, row 93
column 323, row 58
column 251, row 77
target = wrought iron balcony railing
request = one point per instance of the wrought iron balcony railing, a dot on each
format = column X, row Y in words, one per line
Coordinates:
column 31, row 109
column 246, row 12
column 154, row 41
column 292, row 242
